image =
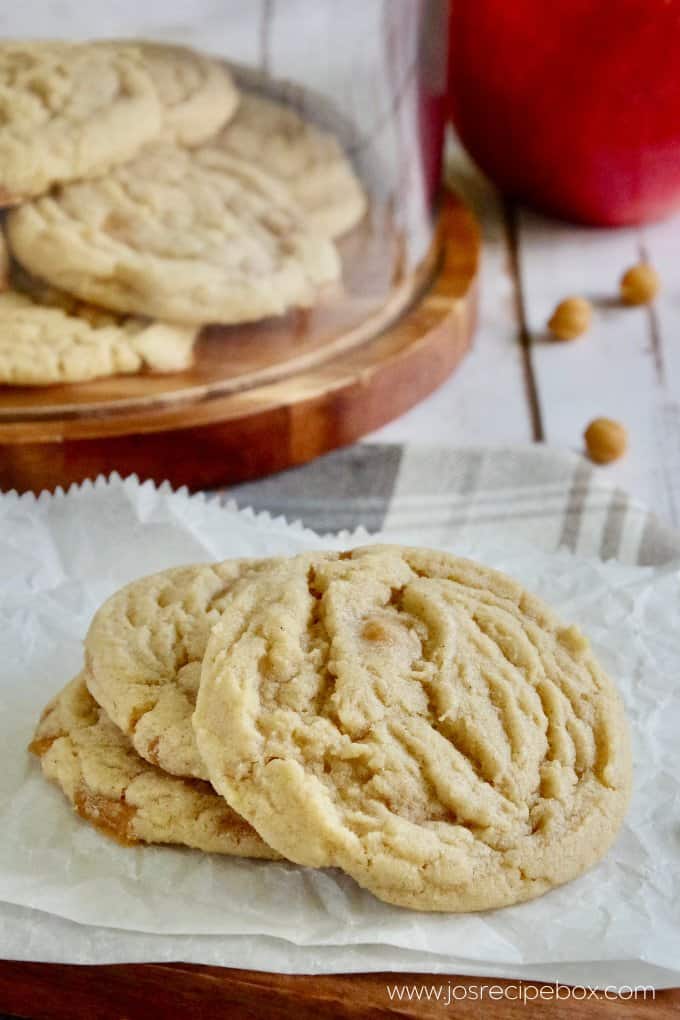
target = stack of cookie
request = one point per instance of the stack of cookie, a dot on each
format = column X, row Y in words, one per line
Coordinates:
column 148, row 197
column 413, row 718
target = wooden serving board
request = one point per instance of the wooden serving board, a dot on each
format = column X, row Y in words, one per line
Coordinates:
column 171, row 991
column 271, row 395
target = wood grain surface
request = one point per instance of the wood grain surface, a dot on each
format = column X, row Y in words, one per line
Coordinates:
column 271, row 409
column 53, row 992
column 626, row 367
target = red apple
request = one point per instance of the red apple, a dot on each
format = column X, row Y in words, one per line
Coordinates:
column 572, row 105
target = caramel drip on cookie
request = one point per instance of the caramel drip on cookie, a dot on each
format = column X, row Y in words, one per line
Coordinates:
column 113, row 818
column 41, row 745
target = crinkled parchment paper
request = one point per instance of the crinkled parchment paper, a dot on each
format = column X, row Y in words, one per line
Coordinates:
column 61, row 556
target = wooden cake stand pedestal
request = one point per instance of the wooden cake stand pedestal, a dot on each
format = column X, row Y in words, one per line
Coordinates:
column 268, row 396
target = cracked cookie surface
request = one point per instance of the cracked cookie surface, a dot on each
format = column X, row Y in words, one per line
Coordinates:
column 55, row 341
column 418, row 720
column 196, row 92
column 70, row 111
column 191, row 236
column 111, row 787
column 143, row 654
column 308, row 160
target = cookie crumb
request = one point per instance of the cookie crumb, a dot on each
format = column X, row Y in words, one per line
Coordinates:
column 374, row 630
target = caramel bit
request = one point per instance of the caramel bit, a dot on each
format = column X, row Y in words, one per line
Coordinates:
column 233, row 824
column 47, row 711
column 152, row 751
column 639, row 285
column 115, row 223
column 41, row 745
column 112, row 817
column 7, row 199
column 606, row 440
column 570, row 319
column 374, row 630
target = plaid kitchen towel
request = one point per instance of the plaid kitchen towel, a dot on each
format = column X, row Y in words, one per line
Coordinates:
column 443, row 494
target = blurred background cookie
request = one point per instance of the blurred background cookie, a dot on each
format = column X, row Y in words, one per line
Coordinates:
column 70, row 111
column 192, row 236
column 196, row 93
column 309, row 161
column 44, row 343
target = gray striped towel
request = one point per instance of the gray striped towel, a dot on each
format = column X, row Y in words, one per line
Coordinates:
column 444, row 494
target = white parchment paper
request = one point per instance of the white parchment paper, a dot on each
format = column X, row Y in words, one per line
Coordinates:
column 70, row 894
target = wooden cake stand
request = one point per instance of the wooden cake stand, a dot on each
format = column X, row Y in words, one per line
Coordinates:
column 268, row 396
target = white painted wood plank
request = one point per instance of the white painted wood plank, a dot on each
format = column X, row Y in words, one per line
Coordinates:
column 484, row 401
column 609, row 372
column 661, row 244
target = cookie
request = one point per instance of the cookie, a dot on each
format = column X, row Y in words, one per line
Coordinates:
column 143, row 654
column 197, row 94
column 190, row 236
column 309, row 161
column 70, row 111
column 123, row 796
column 418, row 720
column 42, row 344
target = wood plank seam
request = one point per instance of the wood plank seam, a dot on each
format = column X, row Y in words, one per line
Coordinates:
column 655, row 338
column 509, row 213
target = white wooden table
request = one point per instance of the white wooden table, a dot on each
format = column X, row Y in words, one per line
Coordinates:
column 516, row 386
